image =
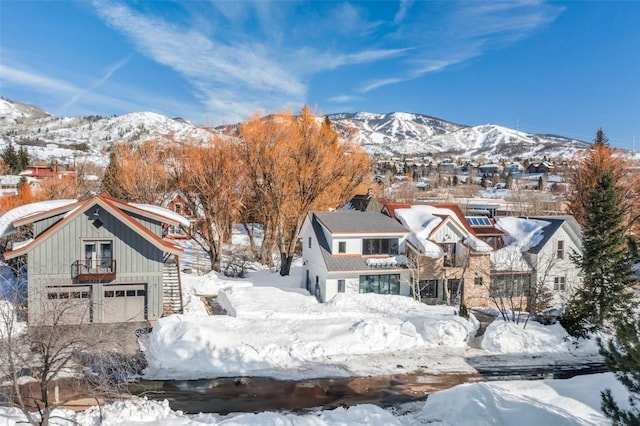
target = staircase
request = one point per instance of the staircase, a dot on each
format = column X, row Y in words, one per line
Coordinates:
column 171, row 287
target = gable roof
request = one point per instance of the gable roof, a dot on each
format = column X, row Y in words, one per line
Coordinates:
column 114, row 206
column 555, row 222
column 357, row 222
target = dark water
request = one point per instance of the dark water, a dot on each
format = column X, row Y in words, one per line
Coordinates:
column 254, row 394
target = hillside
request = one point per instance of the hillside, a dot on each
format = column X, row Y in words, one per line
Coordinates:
column 69, row 139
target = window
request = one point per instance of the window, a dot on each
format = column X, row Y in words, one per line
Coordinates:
column 477, row 281
column 429, row 289
column 340, row 286
column 560, row 250
column 309, row 242
column 98, row 255
column 449, row 254
column 373, row 246
column 381, row 284
column 560, row 283
column 342, row 246
column 510, row 285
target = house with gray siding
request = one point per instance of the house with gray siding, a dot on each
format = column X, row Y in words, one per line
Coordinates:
column 353, row 252
column 99, row 260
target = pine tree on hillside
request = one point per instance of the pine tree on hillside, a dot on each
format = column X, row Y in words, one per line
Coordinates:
column 605, row 298
column 623, row 357
column 110, row 182
column 10, row 158
column 23, row 158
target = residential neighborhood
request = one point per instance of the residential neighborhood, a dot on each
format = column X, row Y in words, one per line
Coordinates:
column 402, row 213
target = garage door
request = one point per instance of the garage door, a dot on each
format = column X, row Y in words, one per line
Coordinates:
column 68, row 305
column 125, row 302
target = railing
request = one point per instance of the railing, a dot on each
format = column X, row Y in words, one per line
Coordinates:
column 94, row 270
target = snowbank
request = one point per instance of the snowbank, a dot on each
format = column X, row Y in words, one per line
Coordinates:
column 510, row 338
column 209, row 284
column 574, row 401
column 9, row 325
column 287, row 334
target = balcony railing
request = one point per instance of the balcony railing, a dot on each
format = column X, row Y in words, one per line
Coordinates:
column 94, row 270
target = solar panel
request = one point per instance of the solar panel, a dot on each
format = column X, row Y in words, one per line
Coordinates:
column 479, row 221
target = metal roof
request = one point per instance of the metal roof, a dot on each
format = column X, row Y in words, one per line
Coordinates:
column 357, row 222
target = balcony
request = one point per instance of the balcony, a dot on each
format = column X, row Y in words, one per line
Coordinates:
column 93, row 270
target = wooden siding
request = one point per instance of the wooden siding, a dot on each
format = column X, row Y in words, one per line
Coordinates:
column 152, row 225
column 138, row 261
column 42, row 225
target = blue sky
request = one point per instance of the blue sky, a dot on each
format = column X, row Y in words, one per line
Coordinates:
column 566, row 68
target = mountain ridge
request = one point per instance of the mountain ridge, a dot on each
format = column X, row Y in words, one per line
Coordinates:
column 48, row 137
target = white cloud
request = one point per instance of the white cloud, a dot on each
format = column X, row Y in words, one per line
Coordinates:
column 22, row 77
column 341, row 99
column 109, row 72
column 402, row 11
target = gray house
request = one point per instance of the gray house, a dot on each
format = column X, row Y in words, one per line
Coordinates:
column 99, row 260
column 353, row 252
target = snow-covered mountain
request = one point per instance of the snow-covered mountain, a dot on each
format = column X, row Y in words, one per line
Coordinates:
column 67, row 139
column 88, row 138
column 414, row 134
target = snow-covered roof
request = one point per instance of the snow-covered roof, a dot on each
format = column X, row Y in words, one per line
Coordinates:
column 421, row 221
column 21, row 212
column 522, row 235
column 161, row 211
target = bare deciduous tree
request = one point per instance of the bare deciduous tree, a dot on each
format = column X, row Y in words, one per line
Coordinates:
column 50, row 363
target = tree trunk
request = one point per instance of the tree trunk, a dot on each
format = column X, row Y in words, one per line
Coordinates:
column 285, row 264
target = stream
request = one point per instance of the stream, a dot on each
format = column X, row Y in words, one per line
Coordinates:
column 254, row 394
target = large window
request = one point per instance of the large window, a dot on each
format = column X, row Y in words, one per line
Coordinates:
column 510, row 285
column 429, row 289
column 373, row 246
column 98, row 254
column 381, row 284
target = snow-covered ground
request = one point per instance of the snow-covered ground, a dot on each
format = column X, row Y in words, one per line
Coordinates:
column 275, row 329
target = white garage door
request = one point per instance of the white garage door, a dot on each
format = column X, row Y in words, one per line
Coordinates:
column 67, row 305
column 125, row 302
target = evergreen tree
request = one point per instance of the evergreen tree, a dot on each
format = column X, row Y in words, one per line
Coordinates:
column 23, row 158
column 110, row 182
column 604, row 298
column 623, row 357
column 10, row 158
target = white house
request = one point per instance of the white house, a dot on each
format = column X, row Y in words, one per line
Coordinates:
column 353, row 252
column 541, row 247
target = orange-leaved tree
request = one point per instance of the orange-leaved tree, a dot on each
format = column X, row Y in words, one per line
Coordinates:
column 296, row 164
column 598, row 160
column 210, row 180
column 137, row 173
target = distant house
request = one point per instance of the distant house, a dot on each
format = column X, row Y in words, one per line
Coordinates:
column 38, row 172
column 542, row 167
column 353, row 252
column 9, row 184
column 489, row 169
column 363, row 203
column 98, row 260
column 177, row 202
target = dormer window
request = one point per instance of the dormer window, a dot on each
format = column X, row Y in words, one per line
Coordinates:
column 379, row 246
column 342, row 246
